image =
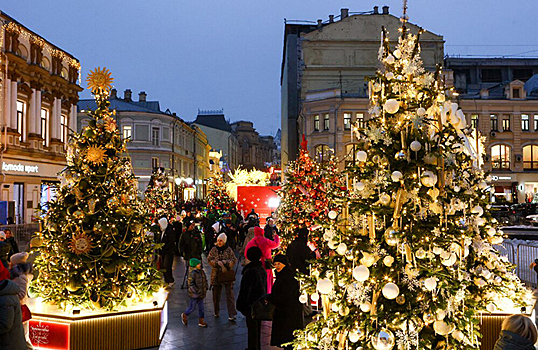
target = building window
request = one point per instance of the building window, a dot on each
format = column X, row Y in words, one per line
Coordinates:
column 506, row 124
column 155, row 136
column 347, row 121
column 321, row 153
column 491, row 75
column 474, row 121
column 154, row 163
column 361, row 124
column 127, row 132
column 21, row 107
column 535, row 122
column 525, row 122
column 326, row 121
column 494, row 123
column 316, row 122
column 351, row 155
column 500, row 157
column 516, row 93
column 45, row 126
column 530, row 157
column 63, row 128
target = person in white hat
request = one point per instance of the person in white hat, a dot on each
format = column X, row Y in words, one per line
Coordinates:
column 21, row 275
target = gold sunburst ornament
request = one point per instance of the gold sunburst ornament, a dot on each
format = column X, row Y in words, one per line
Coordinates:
column 95, row 154
column 80, row 243
column 110, row 125
column 99, row 80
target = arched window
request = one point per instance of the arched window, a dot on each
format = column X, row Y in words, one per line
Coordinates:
column 351, row 154
column 500, row 157
column 321, row 153
column 530, row 157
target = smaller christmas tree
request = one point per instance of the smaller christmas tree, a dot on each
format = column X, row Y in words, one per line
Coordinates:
column 158, row 196
column 218, row 198
column 312, row 197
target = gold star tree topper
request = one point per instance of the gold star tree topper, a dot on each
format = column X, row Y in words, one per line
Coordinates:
column 99, row 80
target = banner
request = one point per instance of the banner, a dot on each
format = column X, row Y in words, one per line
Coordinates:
column 49, row 335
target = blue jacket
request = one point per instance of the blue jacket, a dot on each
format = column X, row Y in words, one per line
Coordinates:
column 11, row 331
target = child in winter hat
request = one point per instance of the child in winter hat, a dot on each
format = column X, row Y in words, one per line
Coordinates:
column 197, row 292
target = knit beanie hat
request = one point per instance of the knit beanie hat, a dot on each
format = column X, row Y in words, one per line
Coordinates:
column 19, row 258
column 254, row 254
column 222, row 237
column 163, row 223
column 194, row 262
column 281, row 258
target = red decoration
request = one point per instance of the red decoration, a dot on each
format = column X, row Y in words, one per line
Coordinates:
column 49, row 335
column 257, row 198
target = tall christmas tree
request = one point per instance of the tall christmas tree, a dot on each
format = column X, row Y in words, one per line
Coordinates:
column 217, row 197
column 313, row 193
column 419, row 265
column 95, row 251
column 158, row 197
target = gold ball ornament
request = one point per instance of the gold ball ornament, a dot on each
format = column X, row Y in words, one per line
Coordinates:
column 391, row 106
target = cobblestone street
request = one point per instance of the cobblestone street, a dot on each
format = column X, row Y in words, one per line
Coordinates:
column 220, row 333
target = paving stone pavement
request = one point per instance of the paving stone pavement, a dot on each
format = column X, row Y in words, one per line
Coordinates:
column 220, row 333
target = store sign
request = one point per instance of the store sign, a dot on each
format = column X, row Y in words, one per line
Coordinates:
column 20, row 168
column 500, row 178
column 49, row 335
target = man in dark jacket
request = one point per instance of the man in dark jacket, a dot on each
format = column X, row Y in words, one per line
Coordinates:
column 11, row 240
column 190, row 243
column 288, row 315
column 178, row 230
column 167, row 250
column 253, row 287
column 11, row 329
column 5, row 249
column 270, row 229
column 299, row 253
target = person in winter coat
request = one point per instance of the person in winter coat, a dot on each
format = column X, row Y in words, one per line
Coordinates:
column 11, row 329
column 517, row 333
column 299, row 253
column 222, row 259
column 5, row 249
column 21, row 276
column 243, row 250
column 168, row 239
column 253, row 287
column 270, row 229
column 11, row 240
column 197, row 292
column 266, row 245
column 178, row 230
column 190, row 243
column 4, row 273
column 288, row 315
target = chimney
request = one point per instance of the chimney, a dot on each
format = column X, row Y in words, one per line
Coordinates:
column 113, row 93
column 376, row 10
column 127, row 95
column 142, row 96
column 385, row 10
column 344, row 13
column 331, row 18
column 320, row 22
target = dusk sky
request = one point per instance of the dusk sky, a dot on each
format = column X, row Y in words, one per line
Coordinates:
column 213, row 54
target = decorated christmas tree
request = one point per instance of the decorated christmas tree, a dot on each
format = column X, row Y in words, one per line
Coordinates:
column 415, row 265
column 217, row 197
column 95, row 252
column 313, row 193
column 158, row 197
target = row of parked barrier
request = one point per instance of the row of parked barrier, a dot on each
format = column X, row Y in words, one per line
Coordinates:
column 522, row 256
column 22, row 233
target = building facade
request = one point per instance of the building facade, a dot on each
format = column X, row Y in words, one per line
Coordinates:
column 220, row 136
column 257, row 152
column 38, row 96
column 500, row 99
column 324, row 71
column 158, row 139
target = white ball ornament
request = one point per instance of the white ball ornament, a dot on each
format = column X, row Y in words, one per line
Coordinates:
column 390, row 291
column 334, row 308
column 383, row 340
column 491, row 307
column 365, row 307
column 458, row 335
column 356, row 335
column 415, row 146
column 421, row 111
column 492, row 231
column 457, row 188
column 377, row 87
column 430, row 283
column 391, row 106
column 384, row 199
column 442, row 328
column 332, row 215
column 389, row 75
column 450, row 261
column 396, row 176
column 332, row 244
column 359, row 186
column 397, row 53
column 390, row 59
column 303, row 299
column 361, row 273
column 314, row 296
column 477, row 210
column 420, row 253
column 362, row 156
column 325, row 286
column 388, row 261
column 341, row 249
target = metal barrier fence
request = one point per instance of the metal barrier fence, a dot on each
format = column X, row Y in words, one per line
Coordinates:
column 526, row 254
column 22, row 233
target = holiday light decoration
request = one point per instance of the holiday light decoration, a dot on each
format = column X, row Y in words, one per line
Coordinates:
column 312, row 197
column 217, row 197
column 244, row 177
column 95, row 252
column 419, row 266
column 158, row 197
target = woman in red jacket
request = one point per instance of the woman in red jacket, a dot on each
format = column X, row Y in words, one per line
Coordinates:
column 266, row 246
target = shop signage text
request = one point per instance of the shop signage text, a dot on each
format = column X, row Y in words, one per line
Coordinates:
column 20, row 168
column 497, row 178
